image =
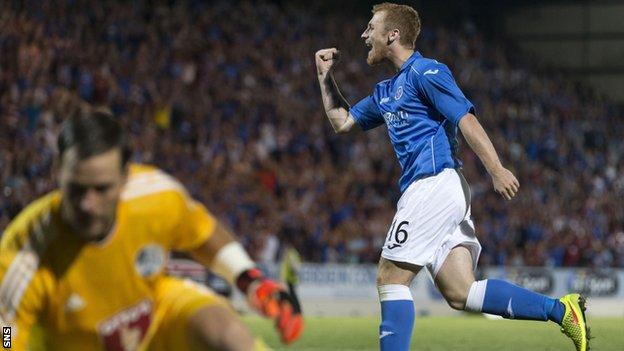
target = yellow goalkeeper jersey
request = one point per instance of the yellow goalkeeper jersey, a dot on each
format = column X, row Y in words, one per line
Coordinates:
column 96, row 296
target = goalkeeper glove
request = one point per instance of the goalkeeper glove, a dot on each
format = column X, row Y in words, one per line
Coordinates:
column 272, row 300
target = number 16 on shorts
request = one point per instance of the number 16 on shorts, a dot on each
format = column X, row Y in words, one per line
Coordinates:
column 397, row 236
column 6, row 337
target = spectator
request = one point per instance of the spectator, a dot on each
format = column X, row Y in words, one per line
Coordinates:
column 224, row 96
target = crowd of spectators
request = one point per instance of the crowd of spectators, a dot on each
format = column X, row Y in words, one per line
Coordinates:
column 224, row 96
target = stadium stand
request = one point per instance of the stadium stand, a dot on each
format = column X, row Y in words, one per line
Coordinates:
column 225, row 98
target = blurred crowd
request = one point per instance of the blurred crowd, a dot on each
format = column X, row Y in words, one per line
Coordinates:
column 224, row 96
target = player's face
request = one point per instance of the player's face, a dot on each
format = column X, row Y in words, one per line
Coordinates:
column 90, row 191
column 376, row 38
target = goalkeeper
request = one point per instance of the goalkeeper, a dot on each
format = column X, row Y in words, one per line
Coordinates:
column 86, row 261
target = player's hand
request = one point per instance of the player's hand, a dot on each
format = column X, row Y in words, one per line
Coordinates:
column 505, row 183
column 326, row 59
column 272, row 300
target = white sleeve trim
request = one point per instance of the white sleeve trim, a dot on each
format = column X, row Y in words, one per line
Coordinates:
column 231, row 261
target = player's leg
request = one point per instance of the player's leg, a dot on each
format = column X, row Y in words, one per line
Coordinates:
column 456, row 282
column 217, row 327
column 458, row 286
column 397, row 304
column 452, row 269
column 427, row 212
column 190, row 316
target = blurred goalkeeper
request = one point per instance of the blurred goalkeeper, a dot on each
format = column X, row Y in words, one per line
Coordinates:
column 86, row 262
column 423, row 108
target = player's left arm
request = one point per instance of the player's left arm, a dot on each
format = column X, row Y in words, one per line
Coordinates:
column 212, row 244
column 435, row 82
column 505, row 183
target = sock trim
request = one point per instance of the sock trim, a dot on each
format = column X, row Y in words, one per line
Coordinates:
column 476, row 296
column 390, row 292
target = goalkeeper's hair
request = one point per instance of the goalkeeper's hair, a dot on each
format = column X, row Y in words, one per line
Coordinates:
column 93, row 132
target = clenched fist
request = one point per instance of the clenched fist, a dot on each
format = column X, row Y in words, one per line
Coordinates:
column 326, row 59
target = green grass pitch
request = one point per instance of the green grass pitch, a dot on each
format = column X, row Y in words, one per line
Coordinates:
column 443, row 333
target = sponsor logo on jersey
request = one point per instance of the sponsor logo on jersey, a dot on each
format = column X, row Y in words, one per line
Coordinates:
column 150, row 260
column 125, row 330
column 398, row 119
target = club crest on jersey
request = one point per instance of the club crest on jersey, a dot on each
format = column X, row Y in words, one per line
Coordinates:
column 398, row 93
column 150, row 260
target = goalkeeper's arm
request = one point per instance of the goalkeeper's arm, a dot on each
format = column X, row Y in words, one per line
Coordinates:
column 226, row 257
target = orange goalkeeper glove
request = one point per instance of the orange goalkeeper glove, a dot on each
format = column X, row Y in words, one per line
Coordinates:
column 274, row 301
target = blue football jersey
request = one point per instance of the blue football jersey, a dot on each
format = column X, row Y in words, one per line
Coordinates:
column 421, row 107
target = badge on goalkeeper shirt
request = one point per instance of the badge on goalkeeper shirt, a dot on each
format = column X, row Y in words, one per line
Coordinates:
column 150, row 260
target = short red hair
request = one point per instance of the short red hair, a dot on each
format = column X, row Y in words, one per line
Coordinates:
column 401, row 17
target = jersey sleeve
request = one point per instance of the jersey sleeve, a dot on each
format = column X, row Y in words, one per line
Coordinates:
column 178, row 221
column 366, row 113
column 26, row 282
column 194, row 226
column 437, row 85
column 21, row 295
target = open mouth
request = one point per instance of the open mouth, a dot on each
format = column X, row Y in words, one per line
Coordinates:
column 369, row 45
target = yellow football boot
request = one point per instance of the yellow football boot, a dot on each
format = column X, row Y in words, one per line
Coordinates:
column 574, row 324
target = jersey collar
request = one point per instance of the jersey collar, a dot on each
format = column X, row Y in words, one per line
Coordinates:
column 416, row 55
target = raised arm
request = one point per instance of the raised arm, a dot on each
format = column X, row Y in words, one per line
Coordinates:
column 505, row 183
column 336, row 106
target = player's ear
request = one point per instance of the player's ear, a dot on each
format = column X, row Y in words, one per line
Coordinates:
column 393, row 35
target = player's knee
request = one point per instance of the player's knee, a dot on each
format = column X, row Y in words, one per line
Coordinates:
column 456, row 299
column 382, row 278
column 387, row 276
column 390, row 273
column 232, row 336
column 237, row 336
column 457, row 305
column 217, row 327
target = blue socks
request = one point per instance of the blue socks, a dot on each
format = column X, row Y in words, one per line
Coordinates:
column 397, row 317
column 556, row 312
column 510, row 301
column 492, row 296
